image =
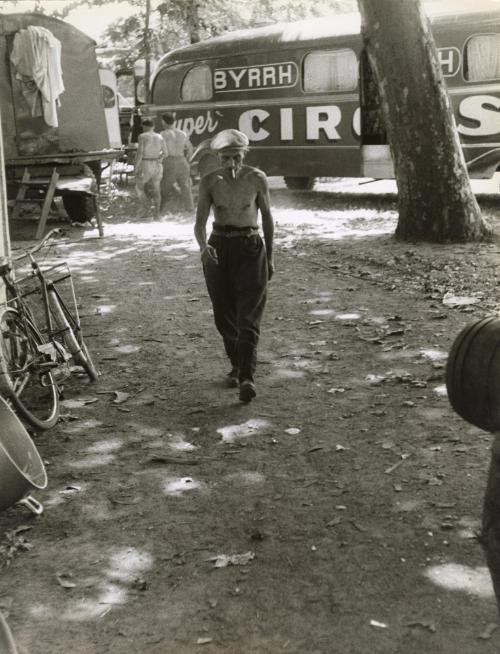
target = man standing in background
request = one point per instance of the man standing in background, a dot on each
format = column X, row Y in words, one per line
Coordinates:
column 176, row 166
column 151, row 151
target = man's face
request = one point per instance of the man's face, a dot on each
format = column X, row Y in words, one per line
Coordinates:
column 232, row 159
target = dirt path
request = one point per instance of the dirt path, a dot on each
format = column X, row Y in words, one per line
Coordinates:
column 349, row 488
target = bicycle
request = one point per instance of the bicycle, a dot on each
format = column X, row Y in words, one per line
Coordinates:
column 33, row 360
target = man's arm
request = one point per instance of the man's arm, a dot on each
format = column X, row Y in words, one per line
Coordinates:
column 208, row 253
column 188, row 149
column 164, row 149
column 264, row 204
column 140, row 153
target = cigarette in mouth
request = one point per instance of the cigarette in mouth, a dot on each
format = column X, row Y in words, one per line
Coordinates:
column 233, row 174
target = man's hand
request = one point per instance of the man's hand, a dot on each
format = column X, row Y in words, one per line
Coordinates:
column 209, row 255
column 270, row 268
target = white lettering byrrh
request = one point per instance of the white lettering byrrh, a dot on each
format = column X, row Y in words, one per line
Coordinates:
column 255, row 77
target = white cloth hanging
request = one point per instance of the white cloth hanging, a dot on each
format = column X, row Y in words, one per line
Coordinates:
column 36, row 56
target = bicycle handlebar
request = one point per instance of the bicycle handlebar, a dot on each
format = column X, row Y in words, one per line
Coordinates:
column 38, row 246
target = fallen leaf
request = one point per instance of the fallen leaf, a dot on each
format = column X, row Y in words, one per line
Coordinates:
column 204, row 641
column 333, row 523
column 70, row 489
column 64, row 580
column 488, row 631
column 315, row 449
column 223, row 560
column 451, row 300
column 425, row 624
column 173, row 459
column 120, row 397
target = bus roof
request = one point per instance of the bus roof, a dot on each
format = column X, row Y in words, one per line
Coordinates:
column 304, row 31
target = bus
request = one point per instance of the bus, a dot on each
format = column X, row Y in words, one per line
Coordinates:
column 306, row 98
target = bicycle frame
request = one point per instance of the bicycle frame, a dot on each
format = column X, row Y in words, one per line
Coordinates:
column 57, row 333
column 52, row 299
column 33, row 361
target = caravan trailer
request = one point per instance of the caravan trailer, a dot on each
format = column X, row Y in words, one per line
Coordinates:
column 63, row 126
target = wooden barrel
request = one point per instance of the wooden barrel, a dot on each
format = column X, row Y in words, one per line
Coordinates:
column 473, row 374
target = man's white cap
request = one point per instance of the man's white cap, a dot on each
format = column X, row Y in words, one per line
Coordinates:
column 229, row 139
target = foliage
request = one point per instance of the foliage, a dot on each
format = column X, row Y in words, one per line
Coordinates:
column 175, row 23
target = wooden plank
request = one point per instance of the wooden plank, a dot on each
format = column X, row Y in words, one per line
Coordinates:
column 47, row 204
column 20, row 195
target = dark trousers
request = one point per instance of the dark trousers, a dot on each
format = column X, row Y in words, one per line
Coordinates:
column 237, row 286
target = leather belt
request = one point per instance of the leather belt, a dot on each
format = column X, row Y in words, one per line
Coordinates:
column 245, row 233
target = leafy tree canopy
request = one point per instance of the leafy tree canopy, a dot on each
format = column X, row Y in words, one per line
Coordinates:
column 174, row 23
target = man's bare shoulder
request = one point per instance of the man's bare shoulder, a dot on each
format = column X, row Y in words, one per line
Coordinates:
column 213, row 176
column 256, row 175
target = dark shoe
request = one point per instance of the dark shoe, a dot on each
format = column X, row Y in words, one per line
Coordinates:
column 232, row 378
column 247, row 390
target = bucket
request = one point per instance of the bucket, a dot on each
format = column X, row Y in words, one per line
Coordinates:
column 7, row 644
column 473, row 374
column 21, row 468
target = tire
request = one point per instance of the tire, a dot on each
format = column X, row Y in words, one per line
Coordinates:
column 33, row 394
column 300, row 183
column 74, row 345
column 80, row 207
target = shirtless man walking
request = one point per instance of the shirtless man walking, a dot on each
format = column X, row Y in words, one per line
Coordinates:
column 237, row 263
column 151, row 151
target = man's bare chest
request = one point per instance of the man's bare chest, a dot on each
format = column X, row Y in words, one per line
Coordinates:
column 237, row 195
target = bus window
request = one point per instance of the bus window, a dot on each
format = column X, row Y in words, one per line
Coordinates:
column 125, row 84
column 334, row 70
column 482, row 57
column 197, row 84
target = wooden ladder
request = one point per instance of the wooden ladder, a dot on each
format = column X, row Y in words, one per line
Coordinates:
column 47, row 185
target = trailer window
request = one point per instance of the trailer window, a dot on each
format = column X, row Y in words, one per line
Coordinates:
column 483, row 58
column 334, row 70
column 197, row 84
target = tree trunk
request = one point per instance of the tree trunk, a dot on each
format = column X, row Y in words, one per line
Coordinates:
column 193, row 21
column 147, row 50
column 435, row 200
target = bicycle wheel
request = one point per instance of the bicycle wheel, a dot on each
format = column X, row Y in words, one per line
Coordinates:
column 75, row 346
column 24, row 378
